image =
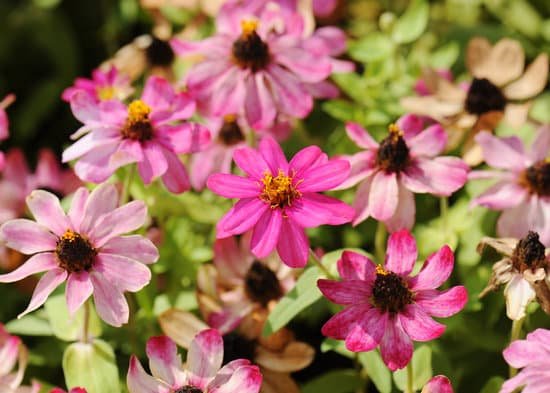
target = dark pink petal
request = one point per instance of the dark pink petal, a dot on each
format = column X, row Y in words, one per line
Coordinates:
column 139, row 381
column 124, row 219
column 404, row 215
column 312, row 210
column 500, row 154
column 411, row 125
column 401, row 252
column 78, row 204
column 158, row 93
column 47, row 284
column 226, row 372
column 442, row 303
column 342, row 323
column 153, row 164
column 383, row 196
column 273, row 155
column 293, row 245
column 164, row 361
column 243, row 216
column 325, row 177
column 79, row 289
column 354, row 266
column 47, row 211
column 362, row 165
column 502, row 196
column 428, row 143
column 360, row 136
column 440, row 176
column 522, row 353
column 175, row 178
column 204, row 358
column 251, row 162
column 134, row 247
column 230, row 94
column 303, row 160
column 396, row 347
column 419, row 325
column 230, row 317
column 346, row 292
column 126, row 274
column 103, row 199
column 266, row 233
column 27, row 236
column 36, row 264
column 110, row 303
column 232, row 186
column 361, row 201
column 247, row 379
column 438, row 384
column 260, row 110
column 435, row 271
column 367, row 332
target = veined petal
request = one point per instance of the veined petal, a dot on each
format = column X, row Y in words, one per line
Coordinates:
column 251, row 162
column 27, row 236
column 260, row 110
column 47, row 284
column 47, row 211
column 273, row 155
column 396, row 347
column 293, row 245
column 500, row 154
column 153, row 164
column 110, row 303
column 519, row 293
column 139, row 381
column 266, row 233
column 204, row 358
column 435, row 271
column 175, row 178
column 360, row 136
column 103, row 199
column 135, row 247
column 246, row 379
column 503, row 195
column 79, row 289
column 342, row 323
column 312, row 210
column 362, row 165
column 346, row 292
column 442, row 304
column 36, row 264
column 367, row 332
column 243, row 216
column 232, row 186
column 428, row 143
column 304, row 159
column 401, row 252
column 124, row 219
column 383, row 195
column 419, row 325
column 124, row 273
column 440, row 176
column 354, row 266
column 405, row 212
column 438, row 384
column 78, row 204
column 325, row 177
column 164, row 361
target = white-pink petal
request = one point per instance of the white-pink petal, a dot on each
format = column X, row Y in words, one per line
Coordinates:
column 79, row 289
column 36, row 264
column 164, row 361
column 47, row 211
column 204, row 358
column 47, row 284
column 27, row 236
column 110, row 302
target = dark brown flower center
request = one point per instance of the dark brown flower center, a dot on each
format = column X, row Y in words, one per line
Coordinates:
column 393, row 153
column 536, row 178
column 390, row 293
column 74, row 252
column 138, row 126
column 278, row 191
column 188, row 389
column 159, row 53
column 261, row 284
column 249, row 51
column 236, row 347
column 484, row 97
column 529, row 253
column 230, row 134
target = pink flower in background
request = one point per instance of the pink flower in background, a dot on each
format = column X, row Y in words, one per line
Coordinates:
column 422, row 88
column 147, row 132
column 4, row 124
column 73, row 390
column 84, row 247
column 203, row 371
column 387, row 307
column 278, row 199
column 324, row 8
column 12, row 353
column 522, row 190
column 105, row 85
column 405, row 162
column 438, row 384
column 533, row 355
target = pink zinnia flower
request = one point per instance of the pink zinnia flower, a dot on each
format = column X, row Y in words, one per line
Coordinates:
column 4, row 124
column 405, row 162
column 387, row 307
column 533, row 355
column 12, row 353
column 523, row 188
column 142, row 133
column 104, row 86
column 83, row 247
column 278, row 199
column 203, row 372
column 438, row 384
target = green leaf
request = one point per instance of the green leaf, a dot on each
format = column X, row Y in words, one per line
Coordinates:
column 445, row 56
column 91, row 365
column 422, row 369
column 375, row 46
column 376, row 370
column 66, row 327
column 493, row 385
column 412, row 23
column 30, row 325
column 338, row 381
column 301, row 296
column 343, row 110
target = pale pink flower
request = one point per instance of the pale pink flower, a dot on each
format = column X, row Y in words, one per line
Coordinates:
column 405, row 162
column 105, row 85
column 533, row 355
column 278, row 199
column 12, row 354
column 147, row 132
column 203, row 371
column 438, row 384
column 387, row 307
column 85, row 248
column 4, row 124
column 522, row 191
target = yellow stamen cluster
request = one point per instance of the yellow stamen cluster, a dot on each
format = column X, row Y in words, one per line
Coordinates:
column 230, row 118
column 70, row 236
column 395, row 131
column 380, row 270
column 278, row 191
column 105, row 93
column 137, row 126
column 248, row 27
column 138, row 112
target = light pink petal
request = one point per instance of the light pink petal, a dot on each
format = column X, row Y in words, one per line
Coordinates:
column 139, row 381
column 231, row 261
column 94, row 166
column 401, row 252
column 346, row 292
column 124, row 273
column 47, row 284
column 443, row 303
column 292, row 97
column 259, row 107
column 500, row 154
column 521, row 379
column 204, row 358
column 164, row 362
column 354, row 266
column 429, row 142
column 312, row 210
column 79, row 289
column 266, row 233
column 175, row 178
column 383, row 196
column 419, row 325
column 103, row 199
column 188, row 137
column 27, row 236
column 367, row 332
column 304, row 159
column 405, row 212
column 411, row 125
column 122, row 220
column 243, row 216
column 541, row 145
column 513, row 222
column 343, row 322
column 305, row 65
column 110, row 303
column 128, row 152
column 85, row 108
column 48, row 170
column 232, row 186
column 230, row 317
column 362, row 166
column 541, row 336
column 360, row 136
column 158, row 93
column 251, row 162
column 396, row 347
column 325, row 177
column 134, row 247
column 522, row 353
column 247, row 379
column 361, row 202
column 36, row 264
column 438, row 384
column 230, row 94
column 502, row 196
column 273, row 155
column 78, row 205
column 9, row 351
column 440, row 176
column 435, row 271
column 47, row 211
column 293, row 245
column 153, row 164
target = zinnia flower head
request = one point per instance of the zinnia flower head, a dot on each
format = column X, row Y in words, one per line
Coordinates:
column 203, row 372
column 387, row 307
column 105, row 85
column 278, row 199
column 438, row 384
column 403, row 163
column 523, row 269
column 522, row 190
column 533, row 355
column 142, row 133
column 85, row 248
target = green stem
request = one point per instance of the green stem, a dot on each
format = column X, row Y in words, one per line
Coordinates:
column 444, row 212
column 313, row 258
column 362, row 374
column 515, row 335
column 380, row 242
column 410, row 378
column 125, row 195
column 86, row 322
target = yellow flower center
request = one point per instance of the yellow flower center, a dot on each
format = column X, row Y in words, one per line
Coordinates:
column 278, row 191
column 105, row 93
column 248, row 27
column 138, row 127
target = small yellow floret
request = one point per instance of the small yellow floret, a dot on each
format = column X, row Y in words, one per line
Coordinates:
column 380, row 270
column 279, row 190
column 230, row 118
column 248, row 26
column 70, row 235
column 395, row 131
column 138, row 111
column 106, row 93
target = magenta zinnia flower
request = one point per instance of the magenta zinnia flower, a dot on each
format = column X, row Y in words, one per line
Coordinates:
column 438, row 384
column 203, row 372
column 83, row 247
column 280, row 198
column 405, row 162
column 73, row 390
column 104, row 86
column 533, row 355
column 145, row 133
column 523, row 188
column 387, row 307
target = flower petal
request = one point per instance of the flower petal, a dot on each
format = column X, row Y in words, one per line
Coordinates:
column 360, row 136
column 419, row 325
column 124, row 273
column 232, row 186
column 361, row 202
column 124, row 219
column 354, row 266
column 134, row 247
column 103, row 199
column 519, row 293
column 243, row 216
column 204, row 358
column 383, row 196
column 541, row 145
column 442, row 303
column 78, row 205
column 401, row 252
column 362, row 165
column 440, row 176
column 501, row 196
column 35, row 264
column 342, row 323
column 247, row 379
column 47, row 211
column 325, row 177
column 500, row 154
column 273, row 155
column 405, row 212
column 79, row 289
column 304, row 159
column 139, row 381
column 312, row 210
column 345, row 292
column 175, row 179
column 293, row 244
column 428, row 143
column 532, row 82
column 367, row 332
column 438, row 384
column 47, row 284
column 110, row 303
column 260, row 110
column 396, row 347
column 153, row 163
column 164, row 361
column 522, row 353
column 435, row 271
column 266, row 233
column 251, row 162
column 27, row 236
